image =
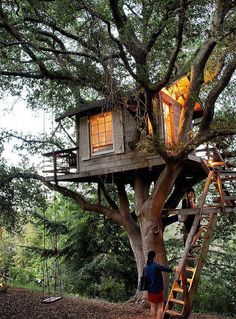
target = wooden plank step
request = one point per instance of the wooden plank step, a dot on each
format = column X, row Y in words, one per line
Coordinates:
column 173, row 313
column 217, row 164
column 177, row 301
column 225, row 173
column 230, row 179
column 177, row 289
column 192, row 269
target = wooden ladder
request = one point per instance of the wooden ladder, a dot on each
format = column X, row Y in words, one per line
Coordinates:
column 186, row 281
column 221, row 184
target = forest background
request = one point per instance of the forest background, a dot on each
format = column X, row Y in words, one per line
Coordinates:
column 96, row 259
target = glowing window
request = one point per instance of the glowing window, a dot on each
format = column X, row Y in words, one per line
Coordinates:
column 168, row 125
column 101, row 133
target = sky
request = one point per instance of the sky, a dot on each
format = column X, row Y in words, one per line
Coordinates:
column 15, row 116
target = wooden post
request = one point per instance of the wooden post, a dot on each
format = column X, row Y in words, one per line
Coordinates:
column 185, row 292
column 55, row 167
column 222, row 202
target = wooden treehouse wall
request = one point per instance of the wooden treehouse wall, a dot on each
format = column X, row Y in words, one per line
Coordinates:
column 122, row 158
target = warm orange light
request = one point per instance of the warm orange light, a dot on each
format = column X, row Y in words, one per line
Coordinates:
column 101, row 132
column 179, row 92
column 168, row 127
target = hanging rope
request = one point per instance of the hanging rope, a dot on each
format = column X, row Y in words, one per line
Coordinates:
column 51, row 269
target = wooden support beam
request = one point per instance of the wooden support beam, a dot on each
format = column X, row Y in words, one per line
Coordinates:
column 205, row 211
column 219, row 187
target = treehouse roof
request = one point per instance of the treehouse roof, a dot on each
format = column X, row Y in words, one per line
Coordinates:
column 177, row 90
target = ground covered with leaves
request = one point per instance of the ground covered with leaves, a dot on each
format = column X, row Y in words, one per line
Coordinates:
column 25, row 304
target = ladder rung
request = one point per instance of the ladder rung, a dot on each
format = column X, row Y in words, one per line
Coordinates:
column 173, row 313
column 189, row 280
column 190, row 269
column 178, row 289
column 230, row 179
column 222, row 172
column 177, row 301
column 217, row 163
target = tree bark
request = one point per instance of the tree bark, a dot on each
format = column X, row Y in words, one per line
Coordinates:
column 149, row 211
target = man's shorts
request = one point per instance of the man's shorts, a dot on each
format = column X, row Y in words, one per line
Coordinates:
column 156, row 297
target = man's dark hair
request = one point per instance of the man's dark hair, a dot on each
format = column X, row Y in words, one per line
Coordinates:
column 191, row 190
column 151, row 256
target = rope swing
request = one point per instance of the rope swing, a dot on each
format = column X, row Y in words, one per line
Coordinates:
column 52, row 284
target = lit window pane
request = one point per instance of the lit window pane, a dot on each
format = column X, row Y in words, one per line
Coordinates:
column 101, row 128
column 101, row 132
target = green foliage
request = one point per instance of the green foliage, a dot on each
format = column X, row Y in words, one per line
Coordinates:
column 19, row 198
column 102, row 253
column 103, row 278
column 217, row 290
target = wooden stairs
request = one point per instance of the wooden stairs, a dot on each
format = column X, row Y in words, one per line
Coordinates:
column 220, row 190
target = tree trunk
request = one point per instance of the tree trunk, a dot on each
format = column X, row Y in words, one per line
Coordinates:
column 150, row 216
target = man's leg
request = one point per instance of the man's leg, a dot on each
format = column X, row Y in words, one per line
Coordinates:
column 160, row 310
column 154, row 310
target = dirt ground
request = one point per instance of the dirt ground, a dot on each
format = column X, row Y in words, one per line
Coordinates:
column 25, row 304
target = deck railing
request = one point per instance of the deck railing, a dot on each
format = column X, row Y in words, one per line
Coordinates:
column 60, row 162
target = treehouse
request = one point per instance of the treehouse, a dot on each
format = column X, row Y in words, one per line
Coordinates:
column 106, row 137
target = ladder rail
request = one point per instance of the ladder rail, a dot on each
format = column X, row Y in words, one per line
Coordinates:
column 188, row 292
column 184, row 287
column 194, row 226
column 202, row 256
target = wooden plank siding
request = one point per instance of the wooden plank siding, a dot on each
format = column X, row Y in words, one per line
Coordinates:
column 122, row 158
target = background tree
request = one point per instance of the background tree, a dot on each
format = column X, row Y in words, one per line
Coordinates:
column 62, row 52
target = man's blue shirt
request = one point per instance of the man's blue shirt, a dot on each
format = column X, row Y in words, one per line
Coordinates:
column 154, row 276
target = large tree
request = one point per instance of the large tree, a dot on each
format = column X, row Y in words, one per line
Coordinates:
column 62, row 51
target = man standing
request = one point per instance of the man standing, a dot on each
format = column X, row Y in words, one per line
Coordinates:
column 155, row 284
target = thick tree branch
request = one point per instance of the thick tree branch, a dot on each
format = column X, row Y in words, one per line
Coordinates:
column 52, row 76
column 107, row 196
column 202, row 138
column 29, row 139
column 112, row 214
column 164, row 184
column 179, row 39
column 19, row 37
column 214, row 94
column 119, row 44
column 124, row 202
column 196, row 81
column 127, row 34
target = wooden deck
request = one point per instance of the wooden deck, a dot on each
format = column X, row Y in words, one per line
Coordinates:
column 121, row 166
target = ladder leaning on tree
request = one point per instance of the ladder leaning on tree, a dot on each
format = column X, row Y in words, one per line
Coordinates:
column 221, row 186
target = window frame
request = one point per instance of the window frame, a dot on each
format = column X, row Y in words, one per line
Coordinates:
column 102, row 152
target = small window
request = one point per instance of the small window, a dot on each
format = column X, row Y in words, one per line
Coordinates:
column 169, row 134
column 101, row 133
